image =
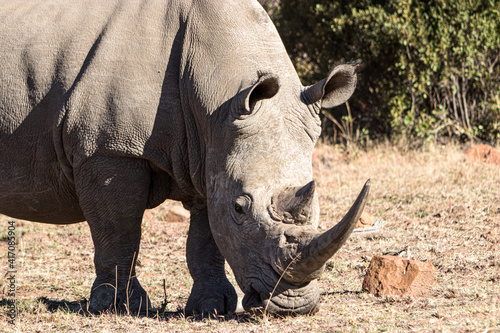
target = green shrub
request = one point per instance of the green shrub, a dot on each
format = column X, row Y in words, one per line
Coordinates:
column 431, row 68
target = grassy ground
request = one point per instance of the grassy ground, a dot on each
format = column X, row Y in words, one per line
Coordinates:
column 444, row 208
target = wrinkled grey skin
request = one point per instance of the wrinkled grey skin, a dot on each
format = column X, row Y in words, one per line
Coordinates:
column 108, row 108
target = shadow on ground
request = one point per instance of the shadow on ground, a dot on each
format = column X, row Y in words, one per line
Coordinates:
column 345, row 292
column 81, row 307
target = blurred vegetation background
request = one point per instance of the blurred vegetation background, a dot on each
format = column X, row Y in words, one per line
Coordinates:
column 431, row 69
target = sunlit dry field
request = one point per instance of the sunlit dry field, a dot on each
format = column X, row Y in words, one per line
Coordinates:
column 445, row 209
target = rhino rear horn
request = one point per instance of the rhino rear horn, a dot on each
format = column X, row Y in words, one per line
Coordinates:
column 322, row 247
column 294, row 204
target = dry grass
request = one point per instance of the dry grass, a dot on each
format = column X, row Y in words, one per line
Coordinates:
column 445, row 209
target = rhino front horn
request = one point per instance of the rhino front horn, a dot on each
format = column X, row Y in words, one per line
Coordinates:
column 322, row 247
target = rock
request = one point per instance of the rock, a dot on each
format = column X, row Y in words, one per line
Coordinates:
column 169, row 211
column 483, row 153
column 177, row 213
column 393, row 275
column 366, row 220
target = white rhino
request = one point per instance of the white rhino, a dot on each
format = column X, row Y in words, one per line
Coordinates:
column 107, row 108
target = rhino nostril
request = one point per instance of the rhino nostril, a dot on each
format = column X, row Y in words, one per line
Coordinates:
column 301, row 218
column 290, row 239
column 288, row 218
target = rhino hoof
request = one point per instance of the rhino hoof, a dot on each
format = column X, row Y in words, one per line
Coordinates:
column 207, row 298
column 102, row 299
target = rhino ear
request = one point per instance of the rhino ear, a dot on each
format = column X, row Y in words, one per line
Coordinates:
column 336, row 88
column 266, row 87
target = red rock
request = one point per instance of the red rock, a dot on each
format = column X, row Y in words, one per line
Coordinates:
column 366, row 220
column 169, row 211
column 483, row 153
column 177, row 214
column 393, row 275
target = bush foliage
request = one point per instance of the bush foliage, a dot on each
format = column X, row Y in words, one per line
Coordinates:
column 431, row 68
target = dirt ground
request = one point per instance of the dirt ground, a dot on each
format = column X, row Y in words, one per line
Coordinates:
column 444, row 208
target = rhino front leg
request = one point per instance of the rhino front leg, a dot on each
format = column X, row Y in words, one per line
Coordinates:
column 113, row 195
column 212, row 292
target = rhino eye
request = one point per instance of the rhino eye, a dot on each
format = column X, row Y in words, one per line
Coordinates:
column 238, row 209
column 241, row 205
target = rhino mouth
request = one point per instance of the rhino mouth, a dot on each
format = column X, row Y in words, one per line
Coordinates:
column 284, row 299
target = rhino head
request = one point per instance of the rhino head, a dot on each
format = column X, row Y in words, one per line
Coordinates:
column 262, row 203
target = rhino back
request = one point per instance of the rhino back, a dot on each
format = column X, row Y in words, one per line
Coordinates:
column 79, row 79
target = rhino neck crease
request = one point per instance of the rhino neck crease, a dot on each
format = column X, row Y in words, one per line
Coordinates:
column 180, row 152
